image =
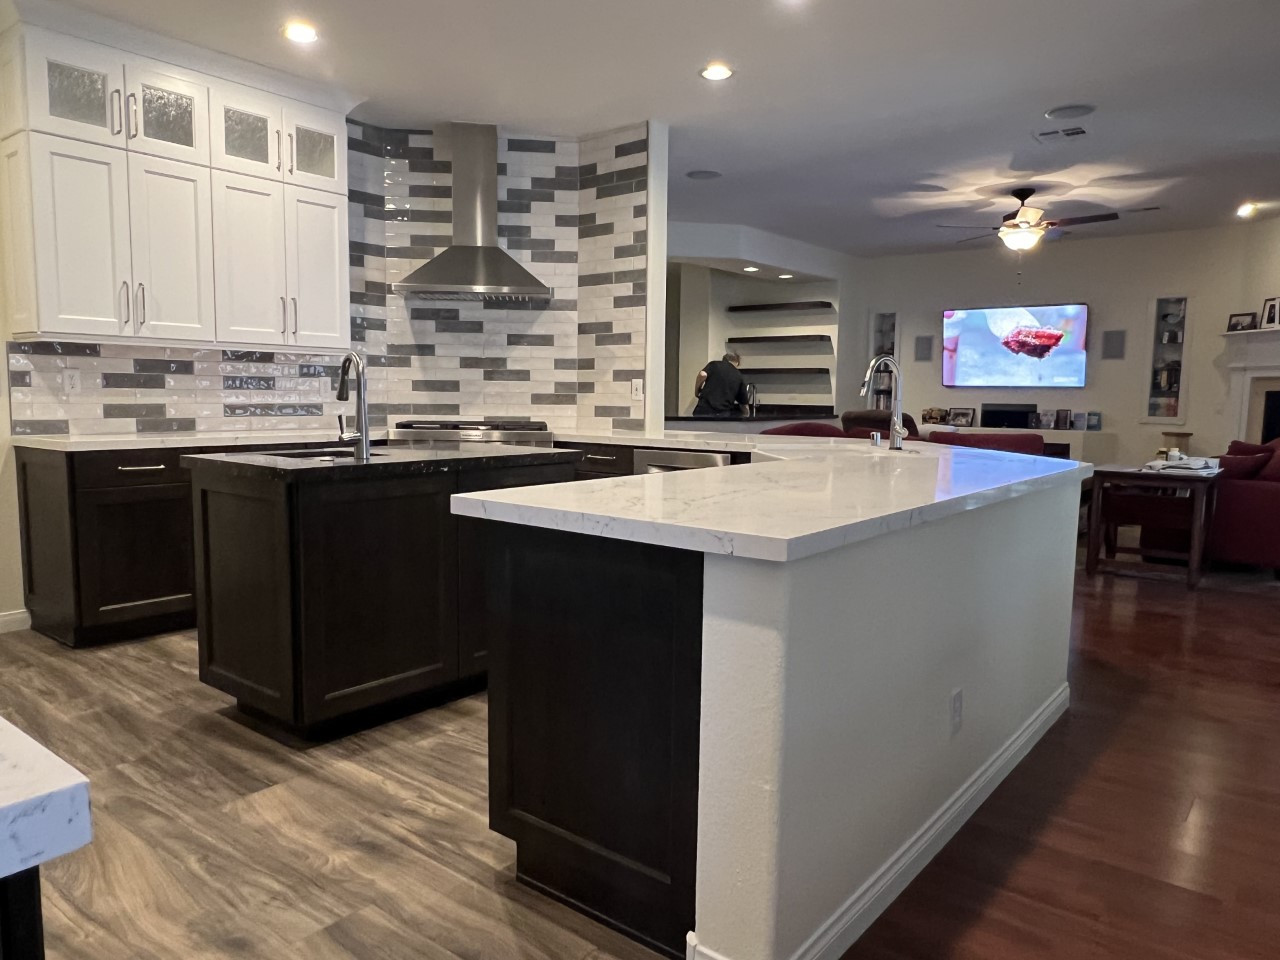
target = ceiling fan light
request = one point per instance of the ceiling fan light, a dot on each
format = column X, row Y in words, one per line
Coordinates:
column 1020, row 237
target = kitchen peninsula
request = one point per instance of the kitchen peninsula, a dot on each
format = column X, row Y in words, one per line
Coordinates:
column 327, row 587
column 734, row 711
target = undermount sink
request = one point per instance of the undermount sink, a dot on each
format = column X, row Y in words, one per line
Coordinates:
column 319, row 454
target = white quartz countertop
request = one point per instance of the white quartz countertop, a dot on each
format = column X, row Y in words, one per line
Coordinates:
column 44, row 803
column 151, row 441
column 812, row 495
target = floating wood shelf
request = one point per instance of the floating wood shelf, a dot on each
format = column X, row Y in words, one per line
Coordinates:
column 799, row 306
column 786, row 338
column 1239, row 333
column 762, row 371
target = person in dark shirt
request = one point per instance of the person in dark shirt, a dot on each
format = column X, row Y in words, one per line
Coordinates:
column 720, row 389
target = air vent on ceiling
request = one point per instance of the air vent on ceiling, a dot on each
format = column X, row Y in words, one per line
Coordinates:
column 1057, row 136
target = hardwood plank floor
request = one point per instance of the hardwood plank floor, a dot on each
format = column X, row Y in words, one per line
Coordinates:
column 1145, row 825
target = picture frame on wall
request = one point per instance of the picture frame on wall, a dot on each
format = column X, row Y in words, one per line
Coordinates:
column 1270, row 311
column 961, row 416
column 1240, row 322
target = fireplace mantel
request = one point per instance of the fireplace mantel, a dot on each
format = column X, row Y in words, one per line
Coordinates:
column 1250, row 355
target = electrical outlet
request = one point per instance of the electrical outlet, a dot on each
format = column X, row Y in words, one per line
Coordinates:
column 637, row 389
column 71, row 380
column 957, row 711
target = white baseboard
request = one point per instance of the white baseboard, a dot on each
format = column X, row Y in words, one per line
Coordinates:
column 842, row 929
column 12, row 620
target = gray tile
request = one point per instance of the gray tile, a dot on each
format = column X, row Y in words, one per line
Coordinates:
column 436, row 386
column 514, row 230
column 248, row 383
column 575, row 363
column 531, row 196
column 630, row 276
column 556, row 399
column 554, row 256
column 612, row 411
column 430, row 166
column 432, row 192
column 625, row 423
column 249, row 356
column 554, row 183
column 595, row 230
column 27, row 428
column 460, row 326
column 640, row 210
column 629, row 250
column 19, row 378
column 562, row 305
column 318, row 370
column 482, row 363
column 411, row 349
column 531, row 146
column 530, row 243
column 54, row 348
column 430, row 239
column 506, row 375
column 594, row 279
column 595, row 326
column 116, row 411
column 133, row 381
column 163, row 366
column 514, row 206
column 631, row 149
column 375, row 360
column 613, row 339
column 531, row 340
column 433, row 313
column 574, row 387
column 622, row 376
column 632, row 300
column 167, row 425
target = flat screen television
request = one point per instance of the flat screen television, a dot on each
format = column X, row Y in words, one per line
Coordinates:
column 1015, row 346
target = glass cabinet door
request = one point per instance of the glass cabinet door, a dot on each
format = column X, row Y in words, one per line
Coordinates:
column 247, row 131
column 165, row 115
column 315, row 150
column 75, row 88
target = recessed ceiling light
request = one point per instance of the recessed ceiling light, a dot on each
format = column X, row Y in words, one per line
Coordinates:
column 717, row 71
column 299, row 31
column 1247, row 210
column 750, row 269
column 704, row 174
column 785, row 276
column 1070, row 111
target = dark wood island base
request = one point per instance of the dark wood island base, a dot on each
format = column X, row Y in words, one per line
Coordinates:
column 21, row 920
column 594, row 688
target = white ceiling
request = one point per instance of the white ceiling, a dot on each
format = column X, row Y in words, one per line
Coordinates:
column 853, row 124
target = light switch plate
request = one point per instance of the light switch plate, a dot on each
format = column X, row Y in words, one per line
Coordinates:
column 637, row 389
column 71, row 380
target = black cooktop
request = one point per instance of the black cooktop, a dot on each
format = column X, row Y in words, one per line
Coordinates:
column 471, row 425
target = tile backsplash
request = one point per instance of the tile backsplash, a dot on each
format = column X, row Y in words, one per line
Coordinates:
column 573, row 212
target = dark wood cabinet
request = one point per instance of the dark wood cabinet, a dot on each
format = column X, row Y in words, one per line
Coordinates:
column 600, row 460
column 106, row 541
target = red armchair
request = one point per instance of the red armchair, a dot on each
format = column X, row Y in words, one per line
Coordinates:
column 1246, row 515
column 806, row 429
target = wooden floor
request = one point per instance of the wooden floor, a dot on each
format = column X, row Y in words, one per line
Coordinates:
column 1145, row 826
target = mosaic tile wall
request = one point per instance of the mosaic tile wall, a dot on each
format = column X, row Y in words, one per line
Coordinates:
column 573, row 212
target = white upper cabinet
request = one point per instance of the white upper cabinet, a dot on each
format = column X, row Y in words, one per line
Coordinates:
column 249, row 248
column 83, row 258
column 166, row 115
column 317, row 267
column 246, row 131
column 171, row 223
column 74, row 88
column 315, row 148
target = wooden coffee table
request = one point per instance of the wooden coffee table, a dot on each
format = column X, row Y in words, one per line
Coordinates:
column 1110, row 483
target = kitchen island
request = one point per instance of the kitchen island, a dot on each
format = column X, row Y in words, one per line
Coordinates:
column 328, row 589
column 734, row 711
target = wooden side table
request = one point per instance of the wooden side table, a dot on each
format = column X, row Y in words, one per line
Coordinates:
column 1110, row 483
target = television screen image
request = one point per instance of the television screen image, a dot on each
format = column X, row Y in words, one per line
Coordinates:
column 1015, row 346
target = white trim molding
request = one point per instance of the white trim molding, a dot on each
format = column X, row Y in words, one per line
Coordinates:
column 843, row 928
column 14, row 620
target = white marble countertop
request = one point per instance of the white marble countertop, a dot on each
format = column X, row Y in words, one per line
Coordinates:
column 44, row 803
column 150, row 441
column 815, row 495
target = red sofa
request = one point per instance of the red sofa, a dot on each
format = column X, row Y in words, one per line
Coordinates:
column 806, row 428
column 1246, row 515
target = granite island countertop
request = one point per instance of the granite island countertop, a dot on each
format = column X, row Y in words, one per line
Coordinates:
column 398, row 460
column 44, row 803
column 803, row 496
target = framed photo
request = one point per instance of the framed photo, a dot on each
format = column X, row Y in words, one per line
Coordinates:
column 961, row 416
column 1269, row 310
column 1242, row 321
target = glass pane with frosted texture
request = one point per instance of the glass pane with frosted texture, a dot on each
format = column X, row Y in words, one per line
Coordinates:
column 246, row 135
column 315, row 152
column 77, row 94
column 168, row 116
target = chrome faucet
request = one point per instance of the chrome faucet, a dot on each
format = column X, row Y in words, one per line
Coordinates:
column 361, row 436
column 896, row 430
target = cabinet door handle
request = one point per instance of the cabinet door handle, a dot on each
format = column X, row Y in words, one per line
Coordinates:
column 596, row 456
column 291, row 153
column 279, row 151
column 295, row 317
column 158, row 466
column 142, row 308
column 133, row 115
column 124, row 285
column 117, row 113
column 284, row 318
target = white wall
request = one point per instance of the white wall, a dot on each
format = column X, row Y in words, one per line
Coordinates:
column 1223, row 271
column 829, row 772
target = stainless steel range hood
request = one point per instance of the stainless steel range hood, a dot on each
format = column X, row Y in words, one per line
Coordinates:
column 475, row 267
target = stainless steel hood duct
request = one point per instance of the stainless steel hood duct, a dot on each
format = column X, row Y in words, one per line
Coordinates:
column 475, row 267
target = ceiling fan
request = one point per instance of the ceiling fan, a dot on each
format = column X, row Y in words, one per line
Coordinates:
column 1025, row 227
